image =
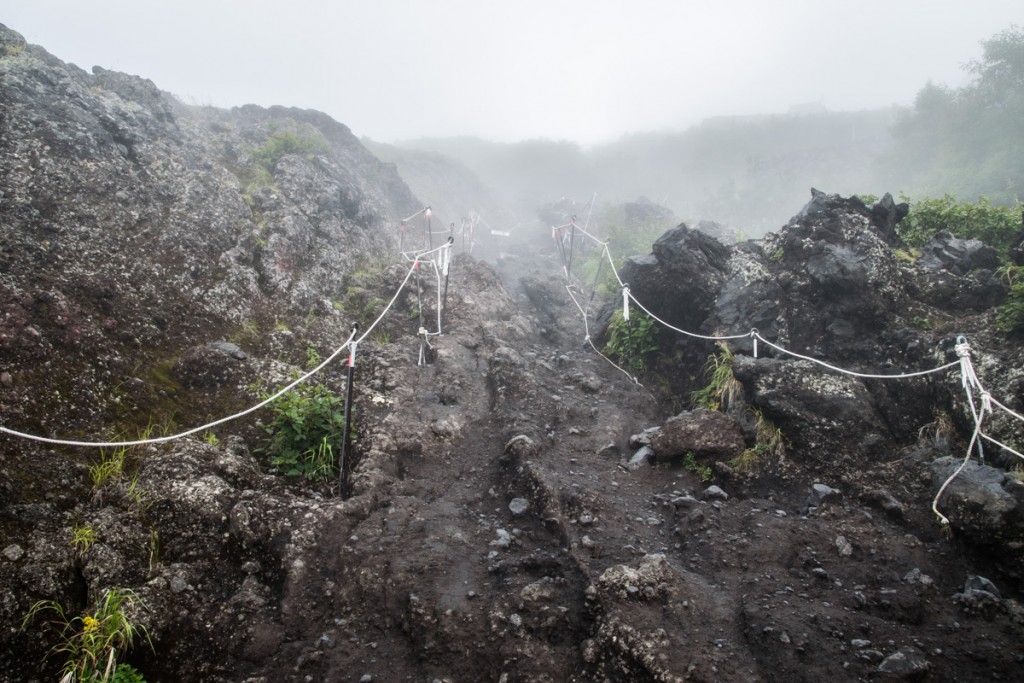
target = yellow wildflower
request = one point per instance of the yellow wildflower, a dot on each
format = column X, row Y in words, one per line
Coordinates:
column 90, row 624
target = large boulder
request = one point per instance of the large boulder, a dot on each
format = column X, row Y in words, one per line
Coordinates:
column 946, row 252
column 680, row 279
column 887, row 214
column 828, row 418
column 981, row 501
column 827, row 284
column 702, row 432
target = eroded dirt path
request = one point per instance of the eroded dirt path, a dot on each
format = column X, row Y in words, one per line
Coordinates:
column 497, row 535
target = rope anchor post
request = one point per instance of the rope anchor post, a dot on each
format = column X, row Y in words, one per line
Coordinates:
column 445, row 268
column 346, row 446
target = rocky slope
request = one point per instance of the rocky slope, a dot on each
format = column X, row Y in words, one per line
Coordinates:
column 499, row 525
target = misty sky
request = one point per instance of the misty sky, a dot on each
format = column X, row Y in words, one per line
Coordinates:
column 580, row 70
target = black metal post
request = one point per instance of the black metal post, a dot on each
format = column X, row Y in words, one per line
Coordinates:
column 346, row 460
column 419, row 306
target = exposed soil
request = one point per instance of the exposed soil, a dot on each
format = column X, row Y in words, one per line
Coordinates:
column 610, row 573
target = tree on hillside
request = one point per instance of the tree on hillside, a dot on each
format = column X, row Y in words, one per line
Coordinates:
column 968, row 141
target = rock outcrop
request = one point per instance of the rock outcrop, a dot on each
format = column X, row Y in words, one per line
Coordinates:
column 830, row 285
column 132, row 223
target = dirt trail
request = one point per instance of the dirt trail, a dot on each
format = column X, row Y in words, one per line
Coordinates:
column 609, row 573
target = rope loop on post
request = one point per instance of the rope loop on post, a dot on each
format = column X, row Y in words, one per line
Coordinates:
column 426, row 337
column 352, row 346
column 625, row 302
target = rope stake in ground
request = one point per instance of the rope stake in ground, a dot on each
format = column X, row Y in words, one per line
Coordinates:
column 419, row 307
column 346, row 442
column 447, row 268
column 430, row 235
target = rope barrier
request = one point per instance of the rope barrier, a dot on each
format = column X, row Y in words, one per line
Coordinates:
column 174, row 437
column 970, row 383
column 229, row 418
column 406, row 220
column 968, row 377
column 902, row 375
column 586, row 327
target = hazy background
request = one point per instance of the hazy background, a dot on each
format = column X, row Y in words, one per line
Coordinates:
column 586, row 71
column 727, row 111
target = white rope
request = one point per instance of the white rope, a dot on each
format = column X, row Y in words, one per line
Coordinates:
column 970, row 382
column 596, row 239
column 586, row 327
column 680, row 331
column 425, row 208
column 437, row 273
column 1002, row 445
column 1000, row 405
column 752, row 334
column 615, row 271
column 416, row 255
column 969, row 379
column 903, row 375
column 943, row 520
column 173, row 437
column 229, row 418
column 590, row 210
column 391, row 303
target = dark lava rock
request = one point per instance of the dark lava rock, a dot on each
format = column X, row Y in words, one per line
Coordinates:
column 680, row 280
column 702, row 432
column 946, row 252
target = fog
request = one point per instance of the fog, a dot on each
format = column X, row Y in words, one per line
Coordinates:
column 729, row 111
column 581, row 70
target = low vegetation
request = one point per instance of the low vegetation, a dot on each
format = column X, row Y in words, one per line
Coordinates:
column 995, row 225
column 689, row 463
column 722, row 389
column 93, row 644
column 1010, row 316
column 631, row 342
column 306, row 432
column 767, row 444
column 286, row 138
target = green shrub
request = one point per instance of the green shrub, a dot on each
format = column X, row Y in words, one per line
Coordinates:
column 1010, row 316
column 631, row 342
column 304, row 141
column 722, row 388
column 306, row 432
column 690, row 464
column 126, row 673
column 994, row 225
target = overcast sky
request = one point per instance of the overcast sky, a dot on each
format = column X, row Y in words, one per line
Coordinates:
column 583, row 70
